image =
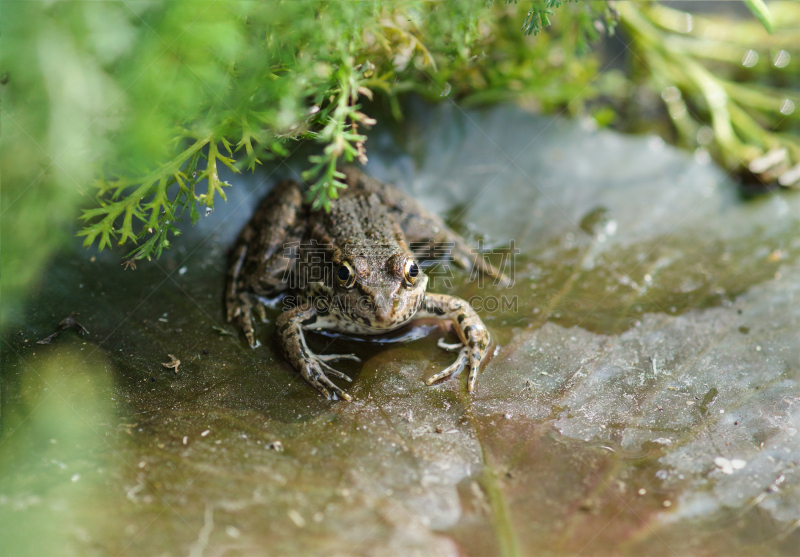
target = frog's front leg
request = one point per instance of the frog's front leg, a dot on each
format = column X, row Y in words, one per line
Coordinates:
column 470, row 329
column 311, row 366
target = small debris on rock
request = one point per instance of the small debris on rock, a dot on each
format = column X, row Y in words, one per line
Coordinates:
column 173, row 363
column 68, row 322
column 276, row 446
column 775, row 256
column 298, row 520
column 223, row 332
column 48, row 340
column 233, row 532
column 729, row 466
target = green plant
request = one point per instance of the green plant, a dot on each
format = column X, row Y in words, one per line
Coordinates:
column 722, row 95
column 128, row 110
column 235, row 84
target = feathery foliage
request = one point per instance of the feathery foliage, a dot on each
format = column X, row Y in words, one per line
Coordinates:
column 129, row 109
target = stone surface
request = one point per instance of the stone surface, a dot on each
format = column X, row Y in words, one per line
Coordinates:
column 643, row 398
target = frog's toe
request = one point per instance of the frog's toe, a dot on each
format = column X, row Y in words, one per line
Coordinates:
column 451, row 370
column 250, row 335
column 455, row 347
column 335, row 372
column 343, row 395
column 326, row 384
column 315, row 375
column 337, row 357
column 325, row 392
column 262, row 313
column 474, row 366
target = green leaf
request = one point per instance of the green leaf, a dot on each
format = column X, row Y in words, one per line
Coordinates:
column 760, row 10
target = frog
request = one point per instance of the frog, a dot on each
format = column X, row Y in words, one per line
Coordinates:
column 352, row 270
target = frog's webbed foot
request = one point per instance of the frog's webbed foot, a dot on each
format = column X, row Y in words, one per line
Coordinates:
column 453, row 370
column 474, row 336
column 312, row 367
column 324, row 358
column 472, row 359
column 242, row 308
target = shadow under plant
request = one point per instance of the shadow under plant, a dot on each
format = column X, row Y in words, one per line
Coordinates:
column 644, row 394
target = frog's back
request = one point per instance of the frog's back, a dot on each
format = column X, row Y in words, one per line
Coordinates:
column 357, row 218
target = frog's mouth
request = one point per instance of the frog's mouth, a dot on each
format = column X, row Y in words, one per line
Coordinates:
column 385, row 308
column 382, row 312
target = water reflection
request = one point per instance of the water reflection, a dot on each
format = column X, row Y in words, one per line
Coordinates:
column 54, row 456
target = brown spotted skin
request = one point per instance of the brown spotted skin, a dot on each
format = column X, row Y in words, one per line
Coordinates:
column 286, row 246
column 419, row 225
column 258, row 261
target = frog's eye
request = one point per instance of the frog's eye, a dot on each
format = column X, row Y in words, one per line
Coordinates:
column 346, row 275
column 411, row 271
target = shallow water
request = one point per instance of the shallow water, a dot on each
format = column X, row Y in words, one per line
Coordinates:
column 653, row 345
